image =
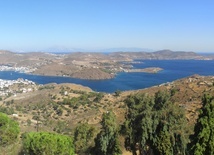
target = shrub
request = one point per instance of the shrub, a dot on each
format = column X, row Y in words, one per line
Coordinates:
column 37, row 143
column 83, row 136
column 9, row 130
column 117, row 93
column 6, row 110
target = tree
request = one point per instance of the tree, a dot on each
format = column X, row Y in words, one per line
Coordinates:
column 170, row 136
column 106, row 142
column 138, row 124
column 202, row 142
column 9, row 130
column 39, row 143
column 83, row 135
column 155, row 124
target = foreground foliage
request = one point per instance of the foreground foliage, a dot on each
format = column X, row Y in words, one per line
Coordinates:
column 83, row 136
column 203, row 138
column 9, row 130
column 154, row 125
column 106, row 142
column 44, row 143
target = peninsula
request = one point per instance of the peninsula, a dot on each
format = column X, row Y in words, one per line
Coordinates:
column 146, row 70
column 94, row 66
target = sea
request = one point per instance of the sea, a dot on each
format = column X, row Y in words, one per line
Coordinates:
column 172, row 70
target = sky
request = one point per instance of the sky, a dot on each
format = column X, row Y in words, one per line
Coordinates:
column 179, row 25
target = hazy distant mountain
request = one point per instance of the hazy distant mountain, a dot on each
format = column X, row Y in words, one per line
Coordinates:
column 61, row 49
column 131, row 49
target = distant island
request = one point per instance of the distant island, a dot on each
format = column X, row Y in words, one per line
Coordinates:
column 85, row 65
column 146, row 70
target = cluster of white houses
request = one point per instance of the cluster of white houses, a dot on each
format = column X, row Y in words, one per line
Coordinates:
column 5, row 85
column 17, row 69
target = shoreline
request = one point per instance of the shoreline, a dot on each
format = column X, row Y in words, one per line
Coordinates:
column 110, row 76
column 145, row 70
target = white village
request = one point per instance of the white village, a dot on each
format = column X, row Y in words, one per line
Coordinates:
column 24, row 86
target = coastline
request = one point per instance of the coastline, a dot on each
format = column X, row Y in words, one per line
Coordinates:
column 173, row 70
column 145, row 70
column 87, row 74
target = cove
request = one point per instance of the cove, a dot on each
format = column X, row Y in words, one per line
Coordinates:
column 172, row 70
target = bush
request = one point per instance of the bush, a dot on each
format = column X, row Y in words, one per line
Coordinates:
column 6, row 110
column 117, row 93
column 59, row 111
column 37, row 143
column 9, row 130
column 98, row 97
column 83, row 136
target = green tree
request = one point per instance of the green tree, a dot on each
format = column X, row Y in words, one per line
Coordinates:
column 154, row 124
column 138, row 124
column 170, row 136
column 106, row 142
column 9, row 130
column 44, row 143
column 164, row 145
column 83, row 136
column 202, row 142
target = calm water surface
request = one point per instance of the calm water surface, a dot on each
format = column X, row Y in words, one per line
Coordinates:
column 173, row 69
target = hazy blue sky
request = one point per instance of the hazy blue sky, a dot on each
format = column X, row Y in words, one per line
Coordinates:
column 97, row 24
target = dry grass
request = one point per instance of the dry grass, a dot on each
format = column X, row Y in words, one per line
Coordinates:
column 188, row 93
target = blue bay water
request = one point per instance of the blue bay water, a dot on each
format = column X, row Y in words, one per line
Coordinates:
column 173, row 70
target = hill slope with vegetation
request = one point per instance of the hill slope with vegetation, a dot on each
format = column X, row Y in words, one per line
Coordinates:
column 164, row 115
